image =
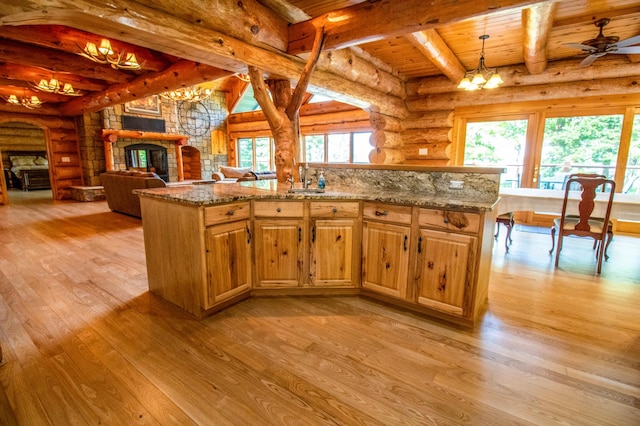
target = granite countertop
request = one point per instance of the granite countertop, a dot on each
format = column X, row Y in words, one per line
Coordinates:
column 211, row 194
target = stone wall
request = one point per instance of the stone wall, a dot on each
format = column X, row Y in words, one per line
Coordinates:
column 195, row 120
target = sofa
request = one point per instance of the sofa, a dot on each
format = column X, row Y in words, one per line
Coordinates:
column 119, row 186
column 240, row 174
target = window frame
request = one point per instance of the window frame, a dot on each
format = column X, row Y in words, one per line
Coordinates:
column 325, row 136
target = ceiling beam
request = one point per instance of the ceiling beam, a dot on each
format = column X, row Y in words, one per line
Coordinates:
column 431, row 45
column 370, row 21
column 537, row 22
column 246, row 20
column 181, row 74
column 18, row 72
column 68, row 39
column 567, row 71
column 57, row 61
column 165, row 33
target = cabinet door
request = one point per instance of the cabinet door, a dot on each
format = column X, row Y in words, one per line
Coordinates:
column 444, row 270
column 385, row 258
column 332, row 252
column 278, row 252
column 228, row 261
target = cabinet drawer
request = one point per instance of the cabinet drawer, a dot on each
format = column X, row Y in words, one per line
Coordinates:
column 387, row 212
column 449, row 220
column 333, row 209
column 226, row 213
column 278, row 208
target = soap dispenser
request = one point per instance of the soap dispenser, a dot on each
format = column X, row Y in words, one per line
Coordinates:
column 321, row 182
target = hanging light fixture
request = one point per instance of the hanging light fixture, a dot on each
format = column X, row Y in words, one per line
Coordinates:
column 243, row 77
column 30, row 102
column 56, row 86
column 481, row 77
column 188, row 94
column 104, row 54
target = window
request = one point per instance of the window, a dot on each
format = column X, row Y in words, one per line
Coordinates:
column 337, row 148
column 497, row 144
column 632, row 174
column 256, row 153
column 587, row 144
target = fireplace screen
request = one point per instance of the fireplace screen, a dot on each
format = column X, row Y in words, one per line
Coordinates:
column 148, row 158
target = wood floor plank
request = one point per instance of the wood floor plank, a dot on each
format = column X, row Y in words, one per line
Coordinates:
column 84, row 342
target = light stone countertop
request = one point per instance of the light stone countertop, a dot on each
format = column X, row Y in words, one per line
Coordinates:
column 212, row 194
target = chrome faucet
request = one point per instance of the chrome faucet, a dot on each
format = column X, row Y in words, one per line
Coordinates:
column 303, row 176
column 291, row 181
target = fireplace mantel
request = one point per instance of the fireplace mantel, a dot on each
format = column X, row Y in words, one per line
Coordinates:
column 110, row 136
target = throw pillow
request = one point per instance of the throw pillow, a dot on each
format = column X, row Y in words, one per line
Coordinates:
column 234, row 172
column 41, row 161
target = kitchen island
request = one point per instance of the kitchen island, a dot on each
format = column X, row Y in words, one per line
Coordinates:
column 419, row 239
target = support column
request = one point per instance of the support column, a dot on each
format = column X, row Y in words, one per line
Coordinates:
column 179, row 144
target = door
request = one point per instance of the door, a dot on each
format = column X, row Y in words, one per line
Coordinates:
column 444, row 270
column 228, row 262
column 278, row 252
column 332, row 252
column 385, row 259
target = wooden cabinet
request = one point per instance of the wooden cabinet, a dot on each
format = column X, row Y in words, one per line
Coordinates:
column 280, row 239
column 228, row 261
column 228, row 252
column 333, row 254
column 385, row 248
column 444, row 270
column 445, row 267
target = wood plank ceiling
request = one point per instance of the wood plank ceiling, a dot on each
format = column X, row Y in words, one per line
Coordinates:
column 33, row 52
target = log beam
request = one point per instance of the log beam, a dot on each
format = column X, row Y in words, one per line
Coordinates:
column 345, row 27
column 566, row 71
column 181, row 74
column 71, row 40
column 13, row 72
column 431, row 45
column 166, row 33
column 626, row 86
column 57, row 61
column 537, row 22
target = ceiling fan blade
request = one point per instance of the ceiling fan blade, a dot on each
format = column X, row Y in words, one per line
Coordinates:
column 628, row 41
column 632, row 50
column 580, row 46
column 589, row 59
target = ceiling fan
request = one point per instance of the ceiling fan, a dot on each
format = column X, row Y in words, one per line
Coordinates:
column 601, row 45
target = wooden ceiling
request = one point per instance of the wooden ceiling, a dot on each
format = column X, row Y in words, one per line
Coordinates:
column 35, row 51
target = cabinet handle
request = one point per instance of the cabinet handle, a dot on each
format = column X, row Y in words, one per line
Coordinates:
column 248, row 235
column 335, row 210
column 446, row 219
column 313, row 234
column 379, row 213
column 299, row 234
column 278, row 210
column 420, row 245
column 405, row 242
column 230, row 213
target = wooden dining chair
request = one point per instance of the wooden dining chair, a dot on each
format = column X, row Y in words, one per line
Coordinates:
column 508, row 221
column 610, row 226
column 581, row 223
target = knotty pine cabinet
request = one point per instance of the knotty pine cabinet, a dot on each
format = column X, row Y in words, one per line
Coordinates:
column 334, row 244
column 280, row 239
column 446, row 266
column 228, row 252
column 386, row 239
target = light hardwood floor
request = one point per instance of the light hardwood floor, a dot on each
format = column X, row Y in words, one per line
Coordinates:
column 85, row 343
